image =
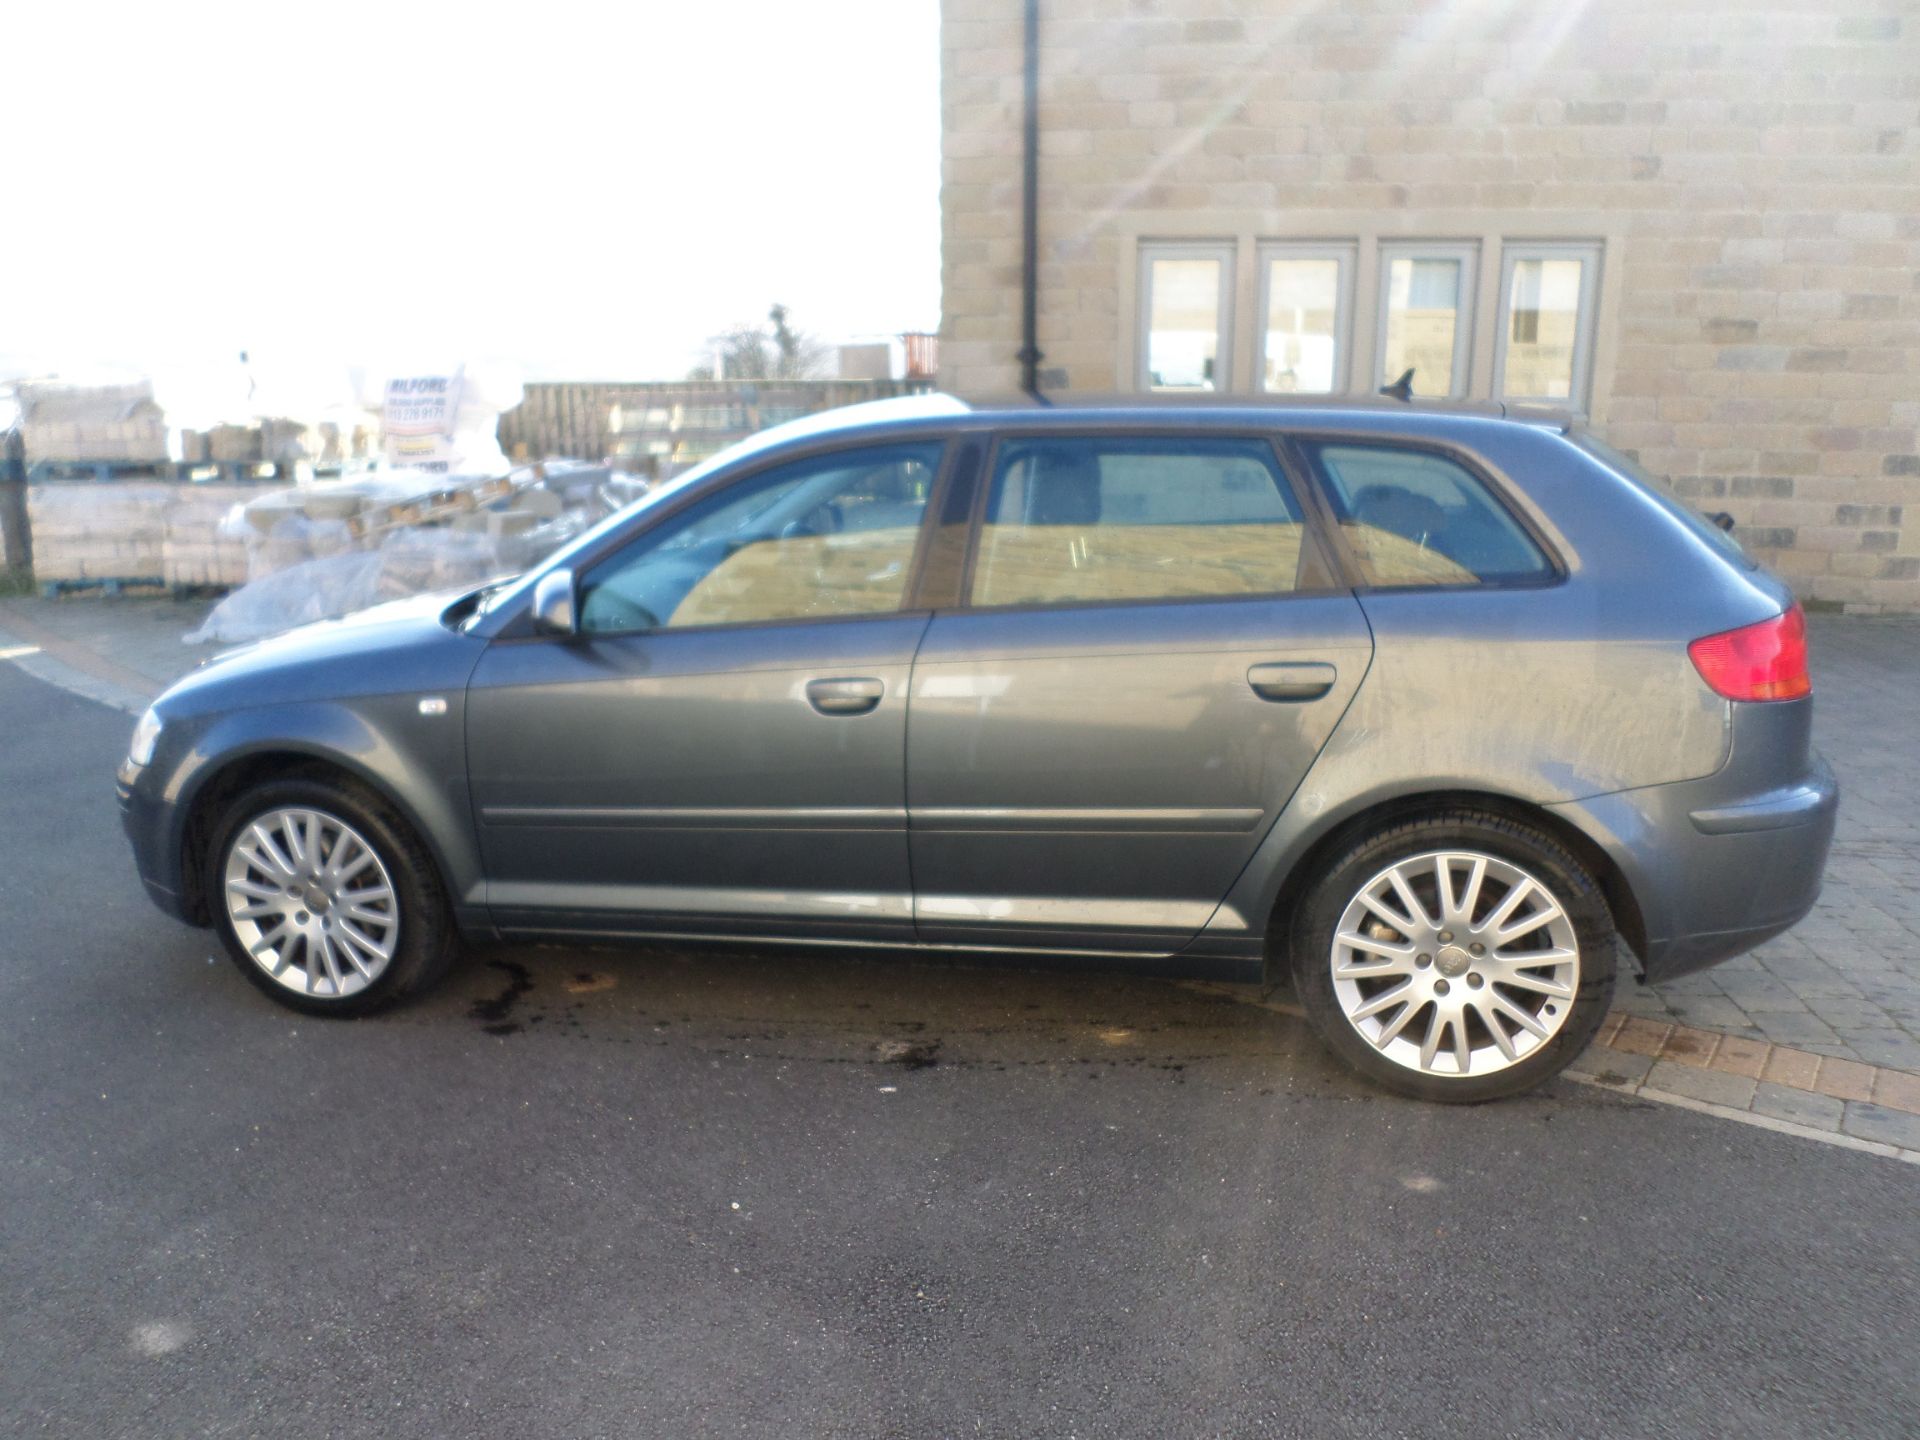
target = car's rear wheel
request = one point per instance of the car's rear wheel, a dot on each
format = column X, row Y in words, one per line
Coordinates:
column 1456, row 957
column 324, row 898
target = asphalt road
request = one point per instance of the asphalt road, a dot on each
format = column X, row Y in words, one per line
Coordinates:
column 584, row 1192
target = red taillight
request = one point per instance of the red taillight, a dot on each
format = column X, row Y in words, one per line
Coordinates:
column 1767, row 661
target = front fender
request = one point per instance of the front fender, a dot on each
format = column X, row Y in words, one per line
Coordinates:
column 415, row 760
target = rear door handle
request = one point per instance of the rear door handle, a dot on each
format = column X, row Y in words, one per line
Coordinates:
column 844, row 697
column 1292, row 679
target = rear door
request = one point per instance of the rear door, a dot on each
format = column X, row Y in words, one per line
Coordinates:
column 1150, row 653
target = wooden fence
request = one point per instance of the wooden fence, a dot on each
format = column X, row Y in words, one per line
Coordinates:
column 659, row 427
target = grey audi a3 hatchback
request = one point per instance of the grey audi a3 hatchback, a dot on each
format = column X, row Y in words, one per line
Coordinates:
column 1429, row 708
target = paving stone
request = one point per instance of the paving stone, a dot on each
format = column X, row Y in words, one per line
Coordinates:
column 1616, row 1067
column 1802, row 1107
column 1712, row 1012
column 1689, row 1046
column 1772, row 1005
column 1690, row 985
column 1846, row 1079
column 1642, row 1002
column 1640, row 1036
column 1788, row 1029
column 1845, row 1014
column 1897, row 1090
column 1838, row 1051
column 1896, row 1050
column 1867, row 1121
column 1738, row 1056
column 1791, row 1067
column 1715, row 1086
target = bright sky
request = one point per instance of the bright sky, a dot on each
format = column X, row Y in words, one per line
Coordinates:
column 586, row 189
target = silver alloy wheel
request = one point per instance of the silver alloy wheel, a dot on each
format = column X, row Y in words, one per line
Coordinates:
column 312, row 902
column 1455, row 963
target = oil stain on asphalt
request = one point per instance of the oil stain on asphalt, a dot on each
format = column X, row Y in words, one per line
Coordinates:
column 496, row 1013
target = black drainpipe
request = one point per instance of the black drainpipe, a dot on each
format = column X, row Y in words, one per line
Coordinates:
column 1030, row 356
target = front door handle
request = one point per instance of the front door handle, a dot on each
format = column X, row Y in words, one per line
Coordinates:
column 844, row 697
column 1292, row 679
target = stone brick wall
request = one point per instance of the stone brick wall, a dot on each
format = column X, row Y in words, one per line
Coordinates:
column 1752, row 167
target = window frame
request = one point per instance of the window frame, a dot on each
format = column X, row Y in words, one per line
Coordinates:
column 1304, row 447
column 1591, row 254
column 912, row 600
column 1346, row 256
column 1223, row 251
column 1467, row 252
column 1313, row 527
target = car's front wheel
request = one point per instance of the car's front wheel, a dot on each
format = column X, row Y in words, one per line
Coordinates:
column 1455, row 957
column 324, row 898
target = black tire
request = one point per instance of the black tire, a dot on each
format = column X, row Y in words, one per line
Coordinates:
column 426, row 942
column 1310, row 943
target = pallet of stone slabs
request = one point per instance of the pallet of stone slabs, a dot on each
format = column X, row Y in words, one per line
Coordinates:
column 433, row 508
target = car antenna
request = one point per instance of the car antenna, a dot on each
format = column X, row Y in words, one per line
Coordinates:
column 1401, row 389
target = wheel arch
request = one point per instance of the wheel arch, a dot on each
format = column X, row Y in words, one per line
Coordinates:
column 232, row 774
column 1342, row 831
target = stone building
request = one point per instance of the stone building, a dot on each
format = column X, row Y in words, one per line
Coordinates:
column 1697, row 222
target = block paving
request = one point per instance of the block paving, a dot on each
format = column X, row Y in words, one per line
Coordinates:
column 1658, row 1059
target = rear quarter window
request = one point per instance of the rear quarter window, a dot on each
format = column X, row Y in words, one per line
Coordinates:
column 1413, row 517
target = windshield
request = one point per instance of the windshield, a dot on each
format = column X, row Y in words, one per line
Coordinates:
column 1661, row 491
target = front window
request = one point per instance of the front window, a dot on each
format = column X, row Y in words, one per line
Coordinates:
column 831, row 536
column 1092, row 519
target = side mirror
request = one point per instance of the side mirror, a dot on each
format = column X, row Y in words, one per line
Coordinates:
column 553, row 604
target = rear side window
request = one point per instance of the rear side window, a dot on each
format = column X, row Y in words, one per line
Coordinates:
column 1412, row 517
column 1090, row 519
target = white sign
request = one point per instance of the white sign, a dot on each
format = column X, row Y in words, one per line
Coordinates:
column 418, row 420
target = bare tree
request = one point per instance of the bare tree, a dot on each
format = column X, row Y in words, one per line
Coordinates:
column 774, row 351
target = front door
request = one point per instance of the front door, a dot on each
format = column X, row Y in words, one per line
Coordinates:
column 1152, row 656
column 722, row 748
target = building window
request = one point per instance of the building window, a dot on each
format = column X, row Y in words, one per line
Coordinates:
column 1304, row 318
column 1186, row 301
column 1426, row 308
column 1545, row 347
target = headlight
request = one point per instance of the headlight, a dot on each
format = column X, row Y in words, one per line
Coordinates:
column 146, row 734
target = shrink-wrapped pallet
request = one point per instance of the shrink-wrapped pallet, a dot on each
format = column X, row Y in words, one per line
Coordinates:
column 113, row 531
column 75, row 422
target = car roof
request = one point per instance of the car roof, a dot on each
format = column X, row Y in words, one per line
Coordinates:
column 1293, row 411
